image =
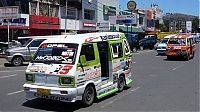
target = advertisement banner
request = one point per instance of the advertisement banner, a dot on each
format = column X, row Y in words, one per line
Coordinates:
column 42, row 22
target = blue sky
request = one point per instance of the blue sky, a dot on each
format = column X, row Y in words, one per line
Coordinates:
column 180, row 6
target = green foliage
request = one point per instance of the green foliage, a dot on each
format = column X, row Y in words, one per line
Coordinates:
column 195, row 25
column 163, row 28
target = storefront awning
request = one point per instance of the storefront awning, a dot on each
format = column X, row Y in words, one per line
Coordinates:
column 134, row 30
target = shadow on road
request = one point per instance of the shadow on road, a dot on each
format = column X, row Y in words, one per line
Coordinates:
column 174, row 59
column 52, row 105
column 10, row 65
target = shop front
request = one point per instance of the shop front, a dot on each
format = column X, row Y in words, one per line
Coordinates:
column 18, row 27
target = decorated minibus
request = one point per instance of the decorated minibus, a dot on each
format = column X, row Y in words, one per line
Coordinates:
column 79, row 67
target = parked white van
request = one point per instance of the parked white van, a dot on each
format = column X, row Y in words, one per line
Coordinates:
column 79, row 67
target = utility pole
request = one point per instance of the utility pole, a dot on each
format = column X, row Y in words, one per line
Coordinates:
column 8, row 32
column 66, row 16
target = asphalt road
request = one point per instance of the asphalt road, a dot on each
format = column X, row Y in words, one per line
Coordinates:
column 159, row 85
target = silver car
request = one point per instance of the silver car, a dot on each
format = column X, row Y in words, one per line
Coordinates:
column 16, row 56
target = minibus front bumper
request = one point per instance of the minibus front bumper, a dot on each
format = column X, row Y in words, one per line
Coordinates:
column 53, row 93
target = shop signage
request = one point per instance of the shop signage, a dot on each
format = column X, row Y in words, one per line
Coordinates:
column 103, row 26
column 109, row 10
column 42, row 22
column 89, row 24
column 9, row 12
column 22, row 22
column 127, row 19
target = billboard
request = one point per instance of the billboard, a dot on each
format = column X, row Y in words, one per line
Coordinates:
column 189, row 26
column 9, row 12
column 127, row 19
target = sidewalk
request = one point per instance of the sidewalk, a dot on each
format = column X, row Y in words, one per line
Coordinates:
column 2, row 61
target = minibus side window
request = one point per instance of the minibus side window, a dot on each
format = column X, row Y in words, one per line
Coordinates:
column 127, row 49
column 117, row 50
column 88, row 51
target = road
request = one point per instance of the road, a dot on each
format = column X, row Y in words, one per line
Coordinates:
column 159, row 85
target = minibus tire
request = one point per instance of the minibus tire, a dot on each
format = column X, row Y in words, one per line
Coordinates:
column 141, row 48
column 17, row 61
column 134, row 49
column 88, row 96
column 121, row 83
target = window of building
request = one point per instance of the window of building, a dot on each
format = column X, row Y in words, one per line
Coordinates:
column 88, row 51
column 89, row 14
column 43, row 9
column 141, row 20
column 33, row 8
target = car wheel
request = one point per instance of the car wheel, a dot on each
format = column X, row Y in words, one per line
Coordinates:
column 141, row 48
column 134, row 49
column 121, row 83
column 17, row 61
column 88, row 96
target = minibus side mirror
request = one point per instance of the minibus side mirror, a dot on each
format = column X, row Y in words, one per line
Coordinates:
column 83, row 61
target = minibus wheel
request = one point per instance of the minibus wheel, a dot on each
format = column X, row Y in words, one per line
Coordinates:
column 121, row 83
column 134, row 49
column 88, row 96
column 17, row 61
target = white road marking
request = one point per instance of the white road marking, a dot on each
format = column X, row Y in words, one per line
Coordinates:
column 15, row 92
column 120, row 97
column 8, row 76
column 12, row 71
column 135, row 89
column 178, row 67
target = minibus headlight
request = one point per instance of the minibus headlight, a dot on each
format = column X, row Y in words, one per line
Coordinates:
column 29, row 77
column 66, row 80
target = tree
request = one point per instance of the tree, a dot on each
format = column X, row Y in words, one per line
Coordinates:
column 195, row 25
column 163, row 28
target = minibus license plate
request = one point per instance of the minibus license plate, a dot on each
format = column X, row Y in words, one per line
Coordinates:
column 41, row 91
column 177, row 47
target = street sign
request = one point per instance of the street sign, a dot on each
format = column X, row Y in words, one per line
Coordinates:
column 9, row 12
column 131, row 5
column 189, row 26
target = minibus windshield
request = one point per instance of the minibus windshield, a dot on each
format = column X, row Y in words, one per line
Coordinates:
column 56, row 53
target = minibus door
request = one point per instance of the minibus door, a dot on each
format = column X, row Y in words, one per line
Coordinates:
column 104, row 56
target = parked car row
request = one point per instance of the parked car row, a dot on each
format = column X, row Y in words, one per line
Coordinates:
column 137, row 42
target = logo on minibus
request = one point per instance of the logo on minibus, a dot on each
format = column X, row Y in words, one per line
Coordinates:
column 107, row 37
